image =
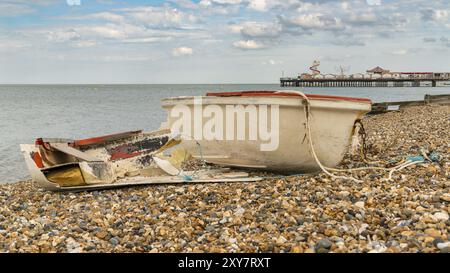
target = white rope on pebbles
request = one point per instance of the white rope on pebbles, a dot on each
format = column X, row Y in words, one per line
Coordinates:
column 400, row 167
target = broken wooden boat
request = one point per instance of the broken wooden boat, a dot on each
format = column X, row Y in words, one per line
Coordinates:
column 282, row 145
column 117, row 160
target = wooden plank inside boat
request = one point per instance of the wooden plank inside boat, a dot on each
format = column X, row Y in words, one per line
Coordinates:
column 67, row 175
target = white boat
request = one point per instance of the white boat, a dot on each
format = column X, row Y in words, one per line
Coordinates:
column 117, row 160
column 331, row 121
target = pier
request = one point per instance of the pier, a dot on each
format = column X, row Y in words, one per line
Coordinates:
column 349, row 82
column 376, row 77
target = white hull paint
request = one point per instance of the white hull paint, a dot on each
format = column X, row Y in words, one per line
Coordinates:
column 332, row 122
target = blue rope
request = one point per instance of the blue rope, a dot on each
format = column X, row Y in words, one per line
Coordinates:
column 187, row 178
column 415, row 158
column 434, row 157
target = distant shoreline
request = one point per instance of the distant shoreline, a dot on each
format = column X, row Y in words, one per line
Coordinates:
column 87, row 84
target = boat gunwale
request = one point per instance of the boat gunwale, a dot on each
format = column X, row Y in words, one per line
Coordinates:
column 262, row 93
column 268, row 95
column 271, row 100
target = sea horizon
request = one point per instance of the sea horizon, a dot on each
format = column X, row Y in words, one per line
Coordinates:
column 8, row 84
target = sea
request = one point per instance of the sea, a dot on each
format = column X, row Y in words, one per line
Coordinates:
column 79, row 111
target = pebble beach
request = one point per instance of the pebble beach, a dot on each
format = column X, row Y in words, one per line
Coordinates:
column 305, row 213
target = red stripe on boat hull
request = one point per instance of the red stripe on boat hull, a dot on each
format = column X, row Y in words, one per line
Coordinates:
column 37, row 160
column 123, row 155
column 102, row 139
column 282, row 94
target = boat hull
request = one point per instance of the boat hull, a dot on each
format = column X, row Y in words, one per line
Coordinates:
column 331, row 121
column 61, row 163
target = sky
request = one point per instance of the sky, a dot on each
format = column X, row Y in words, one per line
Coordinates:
column 216, row 41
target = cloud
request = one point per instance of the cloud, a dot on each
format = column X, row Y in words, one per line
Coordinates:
column 61, row 36
column 271, row 62
column 85, row 43
column 151, row 17
column 400, row 52
column 128, row 33
column 373, row 2
column 34, row 2
column 234, row 28
column 259, row 5
column 9, row 8
column 14, row 9
column 232, row 6
column 182, row 51
column 255, row 35
column 313, row 21
column 443, row 41
column 366, row 18
column 248, row 44
column 430, row 14
column 125, row 58
column 429, row 40
column 211, row 7
column 133, row 25
column 109, row 16
column 358, row 19
column 441, row 14
column 187, row 4
column 427, row 14
column 111, row 31
column 147, row 40
column 347, row 41
column 260, row 30
column 90, row 35
column 223, row 2
column 73, row 37
column 340, row 58
column 161, row 17
column 13, row 45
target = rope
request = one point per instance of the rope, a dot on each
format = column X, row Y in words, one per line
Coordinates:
column 182, row 173
column 400, row 167
column 328, row 169
column 188, row 178
column 424, row 154
column 363, row 148
column 311, row 145
column 357, row 131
